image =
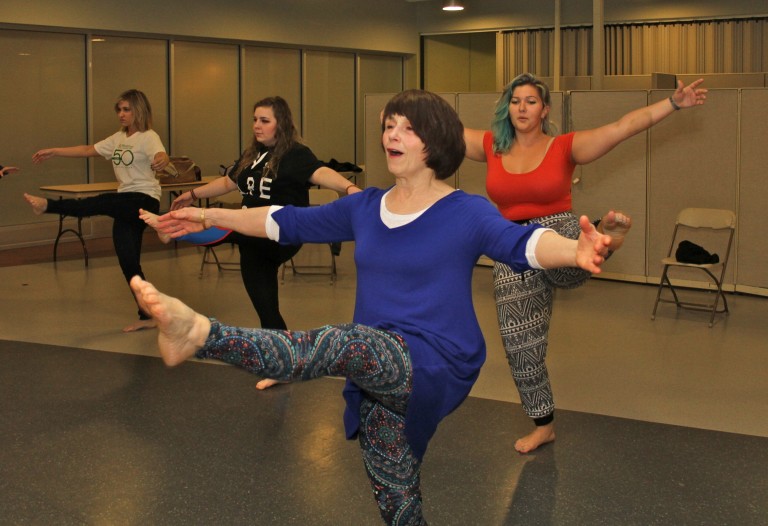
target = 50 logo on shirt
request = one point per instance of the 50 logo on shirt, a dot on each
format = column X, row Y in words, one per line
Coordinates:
column 121, row 156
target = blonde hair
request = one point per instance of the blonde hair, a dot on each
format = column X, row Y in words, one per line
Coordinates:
column 142, row 110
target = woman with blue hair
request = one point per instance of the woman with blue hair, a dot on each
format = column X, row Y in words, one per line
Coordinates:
column 528, row 176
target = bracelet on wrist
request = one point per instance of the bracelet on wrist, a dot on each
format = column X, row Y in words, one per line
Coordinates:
column 193, row 195
column 202, row 218
column 674, row 104
column 346, row 190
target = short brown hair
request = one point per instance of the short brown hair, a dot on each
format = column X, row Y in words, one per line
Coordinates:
column 436, row 123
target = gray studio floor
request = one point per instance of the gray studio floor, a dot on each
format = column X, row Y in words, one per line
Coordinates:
column 659, row 422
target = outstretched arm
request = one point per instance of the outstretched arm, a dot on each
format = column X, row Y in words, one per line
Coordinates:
column 85, row 150
column 474, row 141
column 7, row 170
column 248, row 221
column 588, row 252
column 215, row 188
column 329, row 178
column 589, row 145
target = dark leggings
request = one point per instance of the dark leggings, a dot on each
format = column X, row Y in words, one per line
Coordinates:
column 260, row 260
column 127, row 228
column 376, row 361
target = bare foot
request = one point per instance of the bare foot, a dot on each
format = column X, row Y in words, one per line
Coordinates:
column 151, row 220
column 39, row 204
column 266, row 383
column 140, row 325
column 539, row 436
column 616, row 225
column 182, row 331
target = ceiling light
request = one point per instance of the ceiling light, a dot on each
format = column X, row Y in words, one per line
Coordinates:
column 452, row 5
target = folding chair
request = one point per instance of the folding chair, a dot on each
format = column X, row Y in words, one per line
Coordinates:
column 714, row 226
column 317, row 197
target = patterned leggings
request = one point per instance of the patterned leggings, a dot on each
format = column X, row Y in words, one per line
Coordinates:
column 524, row 307
column 377, row 361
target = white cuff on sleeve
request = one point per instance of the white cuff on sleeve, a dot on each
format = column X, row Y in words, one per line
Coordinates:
column 530, row 247
column 271, row 226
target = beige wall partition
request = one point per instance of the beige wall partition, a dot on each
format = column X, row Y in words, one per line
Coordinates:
column 267, row 72
column 43, row 105
column 120, row 64
column 693, row 163
column 389, row 27
column 376, row 173
column 460, row 63
column 206, row 104
column 376, row 74
column 475, row 111
column 329, row 104
column 618, row 179
column 752, row 270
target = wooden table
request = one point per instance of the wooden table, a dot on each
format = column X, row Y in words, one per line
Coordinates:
column 80, row 191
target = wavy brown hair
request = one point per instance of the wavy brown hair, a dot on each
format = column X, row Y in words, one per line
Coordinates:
column 286, row 135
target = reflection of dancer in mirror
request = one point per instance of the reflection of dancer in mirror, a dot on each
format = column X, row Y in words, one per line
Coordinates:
column 276, row 169
column 7, row 170
column 529, row 173
column 415, row 347
column 136, row 152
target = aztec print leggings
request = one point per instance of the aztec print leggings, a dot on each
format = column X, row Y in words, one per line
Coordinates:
column 524, row 307
column 377, row 361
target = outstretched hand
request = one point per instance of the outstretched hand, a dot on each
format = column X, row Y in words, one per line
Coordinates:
column 592, row 247
column 43, row 155
column 8, row 170
column 690, row 95
column 177, row 223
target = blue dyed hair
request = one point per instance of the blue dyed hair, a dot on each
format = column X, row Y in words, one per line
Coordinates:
column 501, row 127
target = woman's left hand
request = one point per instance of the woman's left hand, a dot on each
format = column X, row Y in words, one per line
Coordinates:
column 182, row 221
column 690, row 95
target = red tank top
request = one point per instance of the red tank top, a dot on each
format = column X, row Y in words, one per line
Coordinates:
column 541, row 192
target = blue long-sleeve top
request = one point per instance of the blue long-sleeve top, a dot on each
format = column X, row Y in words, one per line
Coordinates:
column 416, row 280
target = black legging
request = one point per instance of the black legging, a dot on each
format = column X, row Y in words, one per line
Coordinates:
column 127, row 227
column 260, row 260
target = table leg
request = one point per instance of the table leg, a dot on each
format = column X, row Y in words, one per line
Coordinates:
column 78, row 233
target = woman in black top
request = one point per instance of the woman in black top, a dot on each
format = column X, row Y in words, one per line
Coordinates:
column 276, row 169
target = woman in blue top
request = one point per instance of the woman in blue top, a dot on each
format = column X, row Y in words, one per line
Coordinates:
column 415, row 348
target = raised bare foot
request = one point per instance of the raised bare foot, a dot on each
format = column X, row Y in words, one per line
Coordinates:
column 39, row 204
column 182, row 331
column 616, row 225
column 539, row 436
column 140, row 325
column 266, row 383
column 151, row 220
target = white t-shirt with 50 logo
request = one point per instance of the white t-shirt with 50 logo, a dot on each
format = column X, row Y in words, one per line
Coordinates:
column 131, row 159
